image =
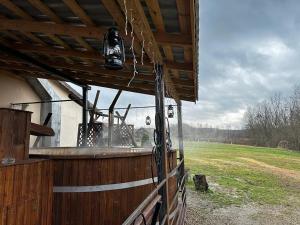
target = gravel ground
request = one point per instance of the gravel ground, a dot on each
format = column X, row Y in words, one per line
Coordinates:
column 203, row 212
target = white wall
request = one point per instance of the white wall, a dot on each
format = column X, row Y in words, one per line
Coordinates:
column 71, row 116
column 14, row 89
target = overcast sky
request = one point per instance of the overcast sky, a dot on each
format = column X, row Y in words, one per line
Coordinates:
column 249, row 49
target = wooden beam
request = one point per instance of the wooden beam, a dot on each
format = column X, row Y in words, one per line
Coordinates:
column 78, row 11
column 183, row 7
column 42, row 7
column 86, row 31
column 181, row 40
column 46, row 121
column 91, row 55
column 22, row 14
column 51, row 28
column 30, row 36
column 193, row 29
column 40, row 130
column 184, row 17
column 94, row 71
column 141, row 25
column 157, row 19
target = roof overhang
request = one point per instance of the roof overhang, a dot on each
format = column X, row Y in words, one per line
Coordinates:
column 66, row 35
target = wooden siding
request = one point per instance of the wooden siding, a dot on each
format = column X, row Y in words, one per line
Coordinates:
column 26, row 193
column 14, row 133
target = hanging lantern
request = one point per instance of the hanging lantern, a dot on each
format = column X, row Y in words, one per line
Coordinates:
column 148, row 120
column 113, row 50
column 170, row 111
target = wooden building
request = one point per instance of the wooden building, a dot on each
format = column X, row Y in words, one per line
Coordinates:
column 63, row 40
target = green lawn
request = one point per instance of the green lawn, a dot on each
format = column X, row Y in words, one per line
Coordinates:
column 243, row 174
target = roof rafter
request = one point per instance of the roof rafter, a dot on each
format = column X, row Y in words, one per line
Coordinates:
column 82, row 31
column 157, row 19
column 122, row 75
column 91, row 55
column 21, row 13
column 142, row 26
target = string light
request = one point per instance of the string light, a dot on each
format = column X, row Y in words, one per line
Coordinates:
column 135, row 72
column 154, row 63
column 143, row 45
column 126, row 17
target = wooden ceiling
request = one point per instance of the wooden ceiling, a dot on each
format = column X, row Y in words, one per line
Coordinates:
column 68, row 34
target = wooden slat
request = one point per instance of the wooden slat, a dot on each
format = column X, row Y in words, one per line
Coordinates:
column 51, row 28
column 183, row 7
column 157, row 19
column 180, row 40
column 19, row 65
column 193, row 29
column 26, row 196
column 18, row 11
column 91, row 55
column 89, row 31
column 95, row 73
column 40, row 130
column 21, row 13
column 48, row 12
column 78, row 11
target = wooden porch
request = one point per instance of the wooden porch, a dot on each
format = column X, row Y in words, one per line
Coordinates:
column 62, row 40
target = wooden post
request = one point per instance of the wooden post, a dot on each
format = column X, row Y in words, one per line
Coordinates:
column 111, row 118
column 180, row 136
column 85, row 114
column 14, row 135
column 92, row 113
column 162, row 171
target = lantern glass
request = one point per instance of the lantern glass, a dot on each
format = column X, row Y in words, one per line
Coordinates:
column 148, row 120
column 170, row 111
column 113, row 50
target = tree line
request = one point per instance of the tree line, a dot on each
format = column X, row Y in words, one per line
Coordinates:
column 275, row 122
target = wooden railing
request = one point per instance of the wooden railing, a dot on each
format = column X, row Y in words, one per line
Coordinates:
column 180, row 190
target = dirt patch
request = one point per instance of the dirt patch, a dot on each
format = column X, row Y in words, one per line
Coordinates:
column 204, row 212
column 280, row 171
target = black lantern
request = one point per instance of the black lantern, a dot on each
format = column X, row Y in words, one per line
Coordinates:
column 170, row 111
column 148, row 120
column 113, row 50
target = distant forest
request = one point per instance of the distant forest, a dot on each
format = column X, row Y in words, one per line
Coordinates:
column 191, row 133
column 275, row 122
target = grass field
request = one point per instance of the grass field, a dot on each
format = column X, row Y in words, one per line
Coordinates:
column 240, row 175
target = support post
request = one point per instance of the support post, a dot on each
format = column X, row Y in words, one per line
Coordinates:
column 92, row 113
column 111, row 118
column 160, row 127
column 180, row 136
column 85, row 114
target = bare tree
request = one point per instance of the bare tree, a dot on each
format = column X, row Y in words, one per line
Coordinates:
column 275, row 120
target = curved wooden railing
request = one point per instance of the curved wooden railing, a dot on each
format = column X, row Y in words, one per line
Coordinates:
column 138, row 212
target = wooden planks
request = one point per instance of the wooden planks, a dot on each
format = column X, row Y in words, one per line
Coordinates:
column 26, row 193
column 14, row 133
column 102, row 207
column 157, row 19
